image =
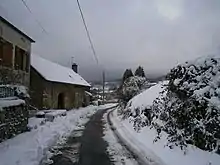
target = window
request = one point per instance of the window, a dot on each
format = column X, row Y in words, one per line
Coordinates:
column 6, row 52
column 21, row 59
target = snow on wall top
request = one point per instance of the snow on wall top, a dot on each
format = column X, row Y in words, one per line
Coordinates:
column 54, row 72
column 10, row 101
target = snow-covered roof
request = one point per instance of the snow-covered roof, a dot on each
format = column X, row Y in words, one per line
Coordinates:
column 88, row 93
column 54, row 72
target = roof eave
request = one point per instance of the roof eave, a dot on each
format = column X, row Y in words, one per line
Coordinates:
column 16, row 29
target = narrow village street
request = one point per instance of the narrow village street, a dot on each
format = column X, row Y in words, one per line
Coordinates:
column 87, row 149
column 87, row 146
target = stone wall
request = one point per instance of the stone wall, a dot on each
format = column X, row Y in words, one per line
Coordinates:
column 13, row 121
column 36, row 88
column 73, row 95
column 44, row 94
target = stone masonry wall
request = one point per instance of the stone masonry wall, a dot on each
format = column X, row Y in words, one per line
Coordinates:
column 13, row 121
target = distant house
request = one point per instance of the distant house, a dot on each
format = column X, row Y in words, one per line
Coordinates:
column 56, row 86
column 15, row 51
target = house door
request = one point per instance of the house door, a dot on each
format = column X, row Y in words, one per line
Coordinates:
column 61, row 101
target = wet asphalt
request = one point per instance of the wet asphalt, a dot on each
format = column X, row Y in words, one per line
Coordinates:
column 93, row 147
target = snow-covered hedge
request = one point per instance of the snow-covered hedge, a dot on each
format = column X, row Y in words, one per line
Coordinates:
column 187, row 109
column 190, row 110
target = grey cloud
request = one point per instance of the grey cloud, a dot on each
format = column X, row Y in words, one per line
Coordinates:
column 157, row 34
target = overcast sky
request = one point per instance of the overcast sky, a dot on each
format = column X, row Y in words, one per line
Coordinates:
column 156, row 34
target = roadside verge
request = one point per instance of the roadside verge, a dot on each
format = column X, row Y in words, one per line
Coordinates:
column 131, row 143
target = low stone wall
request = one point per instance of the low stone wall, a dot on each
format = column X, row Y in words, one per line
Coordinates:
column 13, row 121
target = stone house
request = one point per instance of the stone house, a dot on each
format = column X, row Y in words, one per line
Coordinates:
column 15, row 51
column 55, row 86
column 15, row 48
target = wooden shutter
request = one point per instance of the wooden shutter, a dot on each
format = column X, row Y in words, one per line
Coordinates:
column 7, row 54
column 27, row 62
column 19, row 58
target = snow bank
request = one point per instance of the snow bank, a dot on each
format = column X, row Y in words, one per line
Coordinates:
column 146, row 98
column 157, row 152
column 31, row 147
column 144, row 154
column 117, row 152
column 143, row 140
column 34, row 122
column 54, row 113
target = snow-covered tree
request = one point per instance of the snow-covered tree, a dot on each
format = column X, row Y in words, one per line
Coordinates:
column 130, row 88
column 139, row 72
column 128, row 73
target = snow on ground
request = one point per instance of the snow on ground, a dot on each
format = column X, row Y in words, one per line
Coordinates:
column 156, row 152
column 47, row 115
column 32, row 147
column 146, row 98
column 118, row 153
column 34, row 122
column 107, row 105
column 55, row 113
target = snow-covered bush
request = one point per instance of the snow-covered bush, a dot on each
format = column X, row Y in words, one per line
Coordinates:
column 138, row 109
column 131, row 87
column 190, row 110
column 21, row 91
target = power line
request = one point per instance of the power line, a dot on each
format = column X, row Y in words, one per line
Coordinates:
column 93, row 49
column 87, row 32
column 36, row 20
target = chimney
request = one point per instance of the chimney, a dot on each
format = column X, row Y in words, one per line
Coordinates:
column 75, row 67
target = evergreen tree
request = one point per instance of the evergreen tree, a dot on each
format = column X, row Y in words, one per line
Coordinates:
column 128, row 73
column 139, row 72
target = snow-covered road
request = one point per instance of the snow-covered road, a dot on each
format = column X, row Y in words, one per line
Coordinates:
column 94, row 144
column 32, row 148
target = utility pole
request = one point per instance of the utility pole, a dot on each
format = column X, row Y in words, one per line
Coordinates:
column 103, row 87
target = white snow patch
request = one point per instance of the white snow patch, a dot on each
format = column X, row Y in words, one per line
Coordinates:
column 146, row 98
column 31, row 148
column 34, row 122
column 145, row 154
column 119, row 154
column 40, row 113
column 54, row 113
